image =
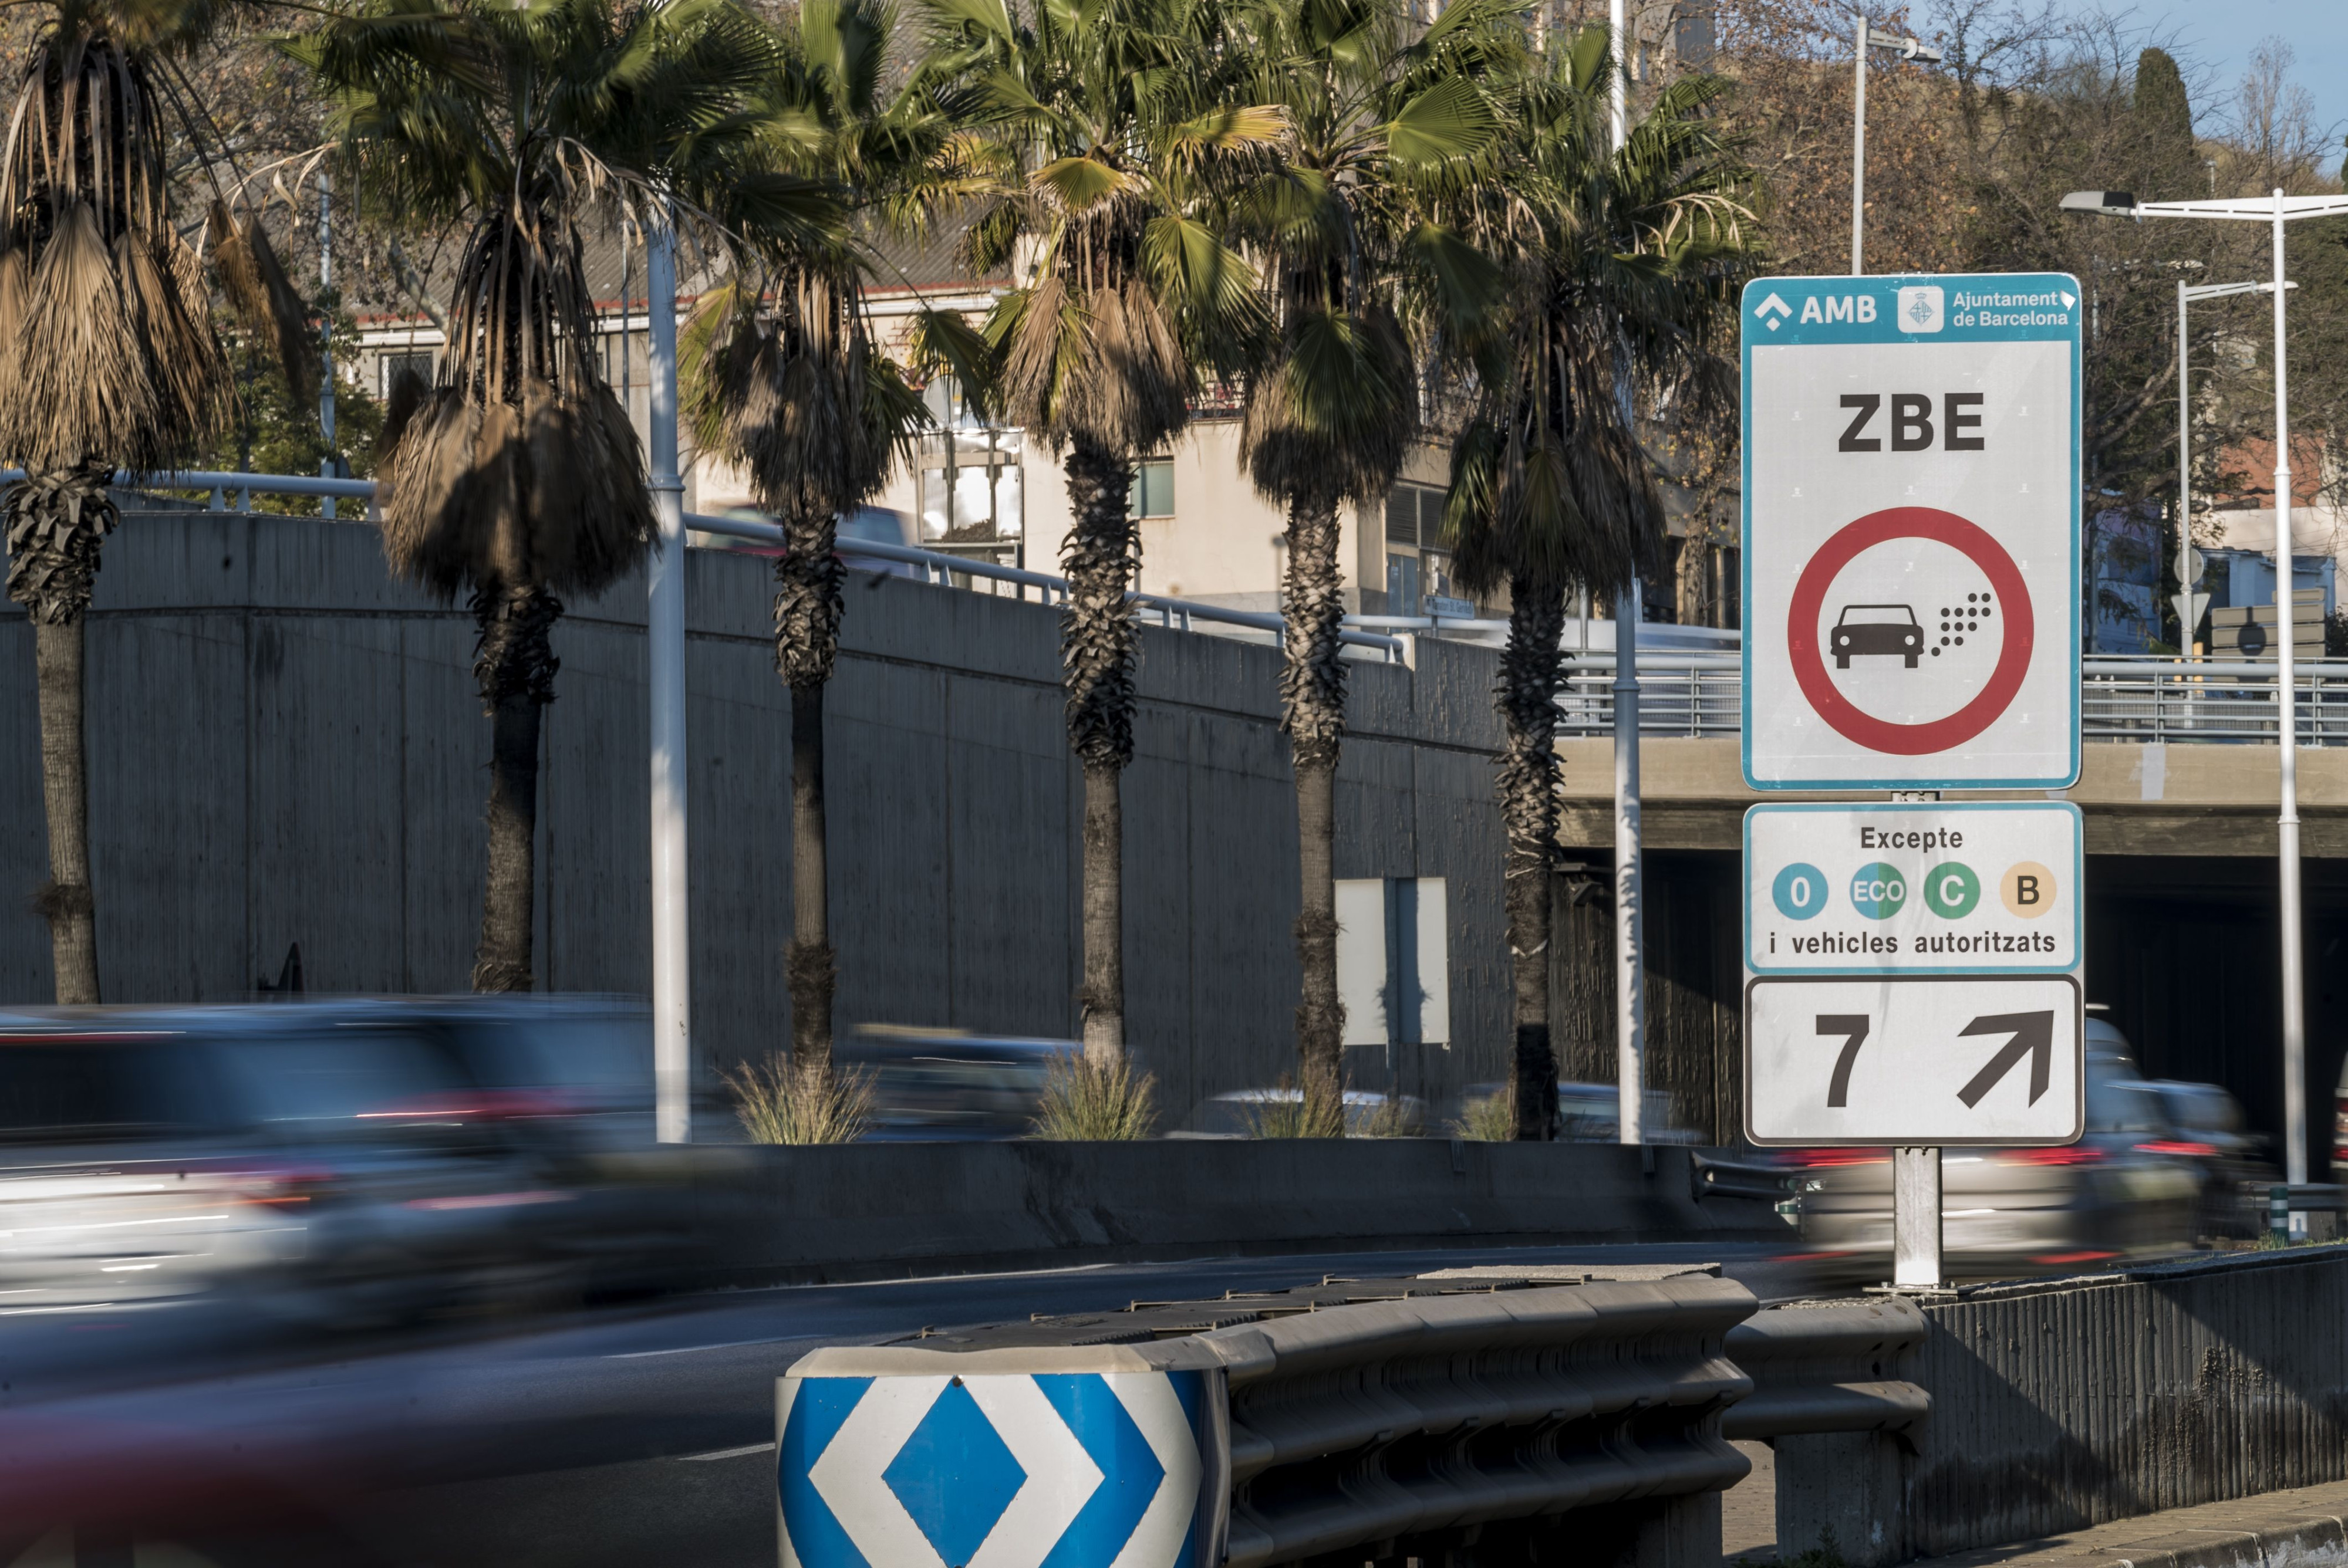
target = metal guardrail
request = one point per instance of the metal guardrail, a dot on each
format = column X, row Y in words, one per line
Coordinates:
column 1830, row 1368
column 1386, row 1418
column 934, row 567
column 2191, row 700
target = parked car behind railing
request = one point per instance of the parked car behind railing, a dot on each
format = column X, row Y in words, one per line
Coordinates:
column 946, row 1083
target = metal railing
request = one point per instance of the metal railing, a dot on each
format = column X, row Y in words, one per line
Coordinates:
column 1828, row 1369
column 933, row 566
column 1366, row 1419
column 2196, row 701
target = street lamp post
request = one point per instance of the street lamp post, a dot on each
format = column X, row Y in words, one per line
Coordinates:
column 2276, row 211
column 1906, row 49
column 2187, row 616
column 1629, row 902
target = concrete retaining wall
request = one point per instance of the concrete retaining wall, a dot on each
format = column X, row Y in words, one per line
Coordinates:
column 286, row 745
column 863, row 1211
column 2066, row 1403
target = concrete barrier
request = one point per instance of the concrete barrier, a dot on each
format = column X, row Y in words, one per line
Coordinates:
column 877, row 1210
column 2059, row 1404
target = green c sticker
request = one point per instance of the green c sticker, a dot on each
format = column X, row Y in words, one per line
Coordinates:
column 1952, row 890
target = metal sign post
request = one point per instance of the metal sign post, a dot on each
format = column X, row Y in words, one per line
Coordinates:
column 1911, row 573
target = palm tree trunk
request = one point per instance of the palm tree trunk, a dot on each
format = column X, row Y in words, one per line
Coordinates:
column 1530, row 666
column 514, row 662
column 57, row 522
column 1096, row 664
column 807, row 607
column 1312, row 714
column 65, row 899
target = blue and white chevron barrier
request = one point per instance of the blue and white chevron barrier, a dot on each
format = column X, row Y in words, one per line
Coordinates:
column 1111, row 1463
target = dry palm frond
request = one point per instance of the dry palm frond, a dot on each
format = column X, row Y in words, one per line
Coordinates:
column 409, row 392
column 519, row 466
column 1102, row 365
column 107, row 351
column 780, row 388
column 265, row 299
column 1489, row 1119
column 1088, row 1100
column 81, row 385
column 783, row 1102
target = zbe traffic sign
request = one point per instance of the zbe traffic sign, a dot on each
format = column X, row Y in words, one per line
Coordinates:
column 1912, row 531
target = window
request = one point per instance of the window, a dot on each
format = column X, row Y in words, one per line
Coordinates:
column 972, row 492
column 1415, row 515
column 1153, row 488
column 415, row 362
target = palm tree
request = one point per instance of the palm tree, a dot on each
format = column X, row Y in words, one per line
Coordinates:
column 109, row 359
column 1622, row 270
column 1120, row 134
column 515, row 477
column 782, row 377
column 1380, row 122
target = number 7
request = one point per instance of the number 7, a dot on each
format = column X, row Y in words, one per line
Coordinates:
column 1852, row 1027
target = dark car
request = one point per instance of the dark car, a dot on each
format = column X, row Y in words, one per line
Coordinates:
column 1863, row 630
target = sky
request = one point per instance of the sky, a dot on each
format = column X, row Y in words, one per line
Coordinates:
column 2218, row 36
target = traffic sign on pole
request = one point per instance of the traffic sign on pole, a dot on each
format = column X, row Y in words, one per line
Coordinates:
column 1973, row 888
column 1938, row 1061
column 1912, row 531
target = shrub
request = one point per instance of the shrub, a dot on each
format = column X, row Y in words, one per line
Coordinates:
column 1491, row 1119
column 1088, row 1100
column 783, row 1103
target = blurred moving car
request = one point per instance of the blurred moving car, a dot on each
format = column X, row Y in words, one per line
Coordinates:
column 331, row 1166
column 2235, row 1171
column 2122, row 1191
column 1265, row 1113
column 944, row 1083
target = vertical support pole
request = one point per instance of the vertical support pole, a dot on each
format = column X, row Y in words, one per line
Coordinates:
column 1630, row 899
column 1630, row 955
column 1916, row 1218
column 327, row 468
column 2184, row 482
column 664, row 637
column 2294, row 1016
column 1858, row 155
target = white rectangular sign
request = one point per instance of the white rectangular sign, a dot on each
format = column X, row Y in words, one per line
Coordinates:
column 1914, row 1060
column 1972, row 887
column 1912, row 531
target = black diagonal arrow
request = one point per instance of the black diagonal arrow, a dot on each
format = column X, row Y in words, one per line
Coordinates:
column 2033, row 1036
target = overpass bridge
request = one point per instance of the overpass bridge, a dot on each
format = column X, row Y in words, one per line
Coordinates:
column 2178, row 784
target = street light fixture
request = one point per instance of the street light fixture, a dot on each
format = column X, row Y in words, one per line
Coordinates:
column 2188, row 572
column 2276, row 211
column 1906, row 49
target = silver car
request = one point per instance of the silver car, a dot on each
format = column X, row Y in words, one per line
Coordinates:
column 2121, row 1192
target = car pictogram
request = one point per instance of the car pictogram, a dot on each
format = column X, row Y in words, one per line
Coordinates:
column 1865, row 630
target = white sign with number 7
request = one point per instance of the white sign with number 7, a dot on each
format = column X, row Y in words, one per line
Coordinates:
column 1949, row 1060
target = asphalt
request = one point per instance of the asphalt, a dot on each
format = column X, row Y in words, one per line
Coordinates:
column 618, row 1436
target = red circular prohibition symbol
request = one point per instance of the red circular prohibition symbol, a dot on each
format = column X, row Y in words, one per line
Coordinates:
column 1846, row 718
